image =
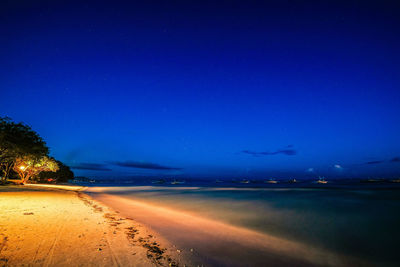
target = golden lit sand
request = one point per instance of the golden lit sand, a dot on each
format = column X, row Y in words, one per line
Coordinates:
column 41, row 226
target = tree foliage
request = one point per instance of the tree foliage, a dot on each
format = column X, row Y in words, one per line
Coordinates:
column 29, row 166
column 63, row 174
column 22, row 150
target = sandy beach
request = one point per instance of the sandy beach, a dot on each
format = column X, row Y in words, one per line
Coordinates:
column 42, row 226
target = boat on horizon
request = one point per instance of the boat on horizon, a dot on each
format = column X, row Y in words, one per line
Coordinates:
column 160, row 181
column 271, row 181
column 293, row 181
column 244, row 181
column 321, row 180
column 177, row 182
column 373, row 180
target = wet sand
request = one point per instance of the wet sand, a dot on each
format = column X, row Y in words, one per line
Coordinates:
column 41, row 226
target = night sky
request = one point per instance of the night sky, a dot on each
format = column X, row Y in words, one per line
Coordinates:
column 202, row 89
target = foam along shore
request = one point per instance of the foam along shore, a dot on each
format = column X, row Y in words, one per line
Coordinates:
column 61, row 226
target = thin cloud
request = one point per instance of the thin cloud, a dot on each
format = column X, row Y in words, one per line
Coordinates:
column 393, row 160
column 374, row 162
column 143, row 165
column 338, row 167
column 90, row 167
column 396, row 159
column 286, row 151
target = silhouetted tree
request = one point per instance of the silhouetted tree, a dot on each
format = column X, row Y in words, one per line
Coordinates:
column 19, row 141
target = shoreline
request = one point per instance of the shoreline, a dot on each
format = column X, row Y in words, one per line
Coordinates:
column 165, row 236
column 63, row 226
column 213, row 243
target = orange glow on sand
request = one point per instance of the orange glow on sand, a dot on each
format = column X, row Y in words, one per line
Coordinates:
column 43, row 226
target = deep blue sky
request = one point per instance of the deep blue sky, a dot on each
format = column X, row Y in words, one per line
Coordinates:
column 190, row 88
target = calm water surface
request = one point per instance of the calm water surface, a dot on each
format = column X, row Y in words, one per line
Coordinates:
column 362, row 222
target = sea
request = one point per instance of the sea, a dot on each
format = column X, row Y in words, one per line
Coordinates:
column 357, row 218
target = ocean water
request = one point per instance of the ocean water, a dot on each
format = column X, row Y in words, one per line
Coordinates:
column 359, row 221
